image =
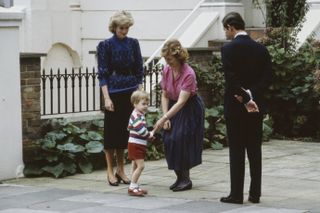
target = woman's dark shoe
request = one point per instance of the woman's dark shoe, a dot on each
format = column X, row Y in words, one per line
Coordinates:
column 254, row 199
column 182, row 186
column 174, row 185
column 231, row 199
column 121, row 179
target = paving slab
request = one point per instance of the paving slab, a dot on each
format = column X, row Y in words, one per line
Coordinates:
column 290, row 184
column 17, row 210
column 256, row 209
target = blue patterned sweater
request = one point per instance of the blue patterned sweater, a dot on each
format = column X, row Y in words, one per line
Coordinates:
column 120, row 64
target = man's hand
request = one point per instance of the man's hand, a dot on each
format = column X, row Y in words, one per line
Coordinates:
column 239, row 98
column 251, row 106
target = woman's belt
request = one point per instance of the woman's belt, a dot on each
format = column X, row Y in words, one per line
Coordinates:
column 124, row 71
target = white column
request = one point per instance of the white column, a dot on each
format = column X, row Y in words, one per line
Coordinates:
column 10, row 95
column 223, row 7
column 314, row 4
column 76, row 41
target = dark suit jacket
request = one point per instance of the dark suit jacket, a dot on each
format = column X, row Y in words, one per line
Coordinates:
column 246, row 64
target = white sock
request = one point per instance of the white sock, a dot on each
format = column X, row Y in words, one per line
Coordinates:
column 133, row 185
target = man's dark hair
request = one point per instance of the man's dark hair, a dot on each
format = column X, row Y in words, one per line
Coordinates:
column 233, row 19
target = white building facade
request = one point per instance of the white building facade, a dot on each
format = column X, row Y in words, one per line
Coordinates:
column 68, row 30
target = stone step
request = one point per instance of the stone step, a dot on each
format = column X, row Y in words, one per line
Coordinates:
column 254, row 33
column 217, row 44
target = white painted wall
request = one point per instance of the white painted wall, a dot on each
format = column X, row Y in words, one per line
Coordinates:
column 253, row 15
column 81, row 24
column 154, row 21
column 10, row 95
column 311, row 26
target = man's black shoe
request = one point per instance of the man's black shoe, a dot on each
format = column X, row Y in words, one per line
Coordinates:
column 230, row 199
column 254, row 199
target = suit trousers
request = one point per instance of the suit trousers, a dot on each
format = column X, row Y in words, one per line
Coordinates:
column 244, row 134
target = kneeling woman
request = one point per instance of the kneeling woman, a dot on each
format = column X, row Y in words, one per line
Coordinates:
column 183, row 115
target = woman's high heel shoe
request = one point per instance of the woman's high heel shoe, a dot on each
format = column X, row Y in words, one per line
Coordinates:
column 121, row 179
column 116, row 183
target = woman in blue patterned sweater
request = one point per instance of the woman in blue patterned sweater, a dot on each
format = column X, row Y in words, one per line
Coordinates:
column 120, row 72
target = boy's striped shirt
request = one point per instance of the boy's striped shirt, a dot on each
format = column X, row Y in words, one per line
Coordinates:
column 138, row 132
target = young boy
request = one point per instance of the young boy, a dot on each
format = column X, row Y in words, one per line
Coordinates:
column 138, row 136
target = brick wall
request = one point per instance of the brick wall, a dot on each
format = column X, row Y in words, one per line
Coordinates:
column 30, row 71
column 202, row 56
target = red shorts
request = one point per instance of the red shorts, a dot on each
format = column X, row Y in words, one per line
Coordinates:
column 136, row 151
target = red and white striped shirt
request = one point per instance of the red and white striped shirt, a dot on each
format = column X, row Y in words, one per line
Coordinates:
column 138, row 132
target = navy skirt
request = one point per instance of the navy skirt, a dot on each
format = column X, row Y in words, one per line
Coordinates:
column 116, row 134
column 183, row 143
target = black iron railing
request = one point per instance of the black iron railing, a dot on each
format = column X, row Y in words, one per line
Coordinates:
column 77, row 90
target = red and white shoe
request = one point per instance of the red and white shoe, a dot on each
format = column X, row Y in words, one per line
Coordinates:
column 144, row 191
column 135, row 192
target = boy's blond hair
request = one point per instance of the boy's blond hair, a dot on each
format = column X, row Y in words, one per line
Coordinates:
column 139, row 95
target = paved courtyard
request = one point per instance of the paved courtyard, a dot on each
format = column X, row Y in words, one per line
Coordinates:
column 291, row 184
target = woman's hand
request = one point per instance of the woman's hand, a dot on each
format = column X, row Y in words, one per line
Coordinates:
column 159, row 124
column 167, row 125
column 108, row 104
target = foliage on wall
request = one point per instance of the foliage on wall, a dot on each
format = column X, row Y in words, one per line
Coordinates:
column 293, row 101
column 286, row 17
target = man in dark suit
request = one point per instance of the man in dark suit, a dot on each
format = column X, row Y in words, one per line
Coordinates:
column 248, row 74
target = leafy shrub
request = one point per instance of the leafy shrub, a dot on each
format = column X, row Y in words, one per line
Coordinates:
column 65, row 150
column 293, row 103
column 317, row 81
column 215, row 128
column 155, row 149
column 210, row 81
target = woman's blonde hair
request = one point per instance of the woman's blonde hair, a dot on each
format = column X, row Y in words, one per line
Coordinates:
column 120, row 18
column 174, row 48
column 139, row 95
